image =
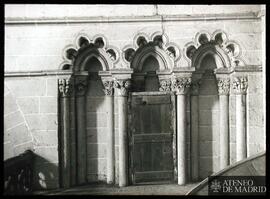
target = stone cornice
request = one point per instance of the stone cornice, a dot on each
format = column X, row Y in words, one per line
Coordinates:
column 154, row 18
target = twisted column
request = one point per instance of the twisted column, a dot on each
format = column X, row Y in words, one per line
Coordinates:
column 122, row 87
column 65, row 90
column 108, row 85
column 223, row 91
column 181, row 86
column 239, row 86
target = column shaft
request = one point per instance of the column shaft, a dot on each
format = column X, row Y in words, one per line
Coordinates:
column 81, row 138
column 241, row 144
column 65, row 144
column 110, row 141
column 194, row 138
column 122, row 101
column 181, row 139
column 224, row 130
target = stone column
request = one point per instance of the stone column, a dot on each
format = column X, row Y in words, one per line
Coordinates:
column 65, row 90
column 110, row 132
column 122, row 87
column 239, row 86
column 181, row 85
column 81, row 88
column 224, row 137
column 194, row 131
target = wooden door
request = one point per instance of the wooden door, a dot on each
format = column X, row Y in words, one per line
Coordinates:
column 151, row 137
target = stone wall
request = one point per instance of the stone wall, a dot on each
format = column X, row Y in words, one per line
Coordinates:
column 31, row 122
column 35, row 36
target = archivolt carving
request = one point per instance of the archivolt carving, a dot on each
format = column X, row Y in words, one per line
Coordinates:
column 167, row 53
column 228, row 51
column 97, row 45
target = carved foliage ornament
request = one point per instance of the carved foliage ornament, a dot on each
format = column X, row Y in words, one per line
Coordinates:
column 240, row 85
column 181, row 85
column 108, row 87
column 165, row 85
column 195, row 86
column 122, row 86
column 223, row 86
column 64, row 87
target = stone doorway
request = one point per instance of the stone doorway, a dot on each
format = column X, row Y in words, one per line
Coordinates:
column 151, row 137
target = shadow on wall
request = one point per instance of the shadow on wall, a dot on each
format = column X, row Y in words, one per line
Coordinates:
column 45, row 175
column 208, row 119
column 96, row 123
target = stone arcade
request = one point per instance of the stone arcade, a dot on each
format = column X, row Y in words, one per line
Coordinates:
column 150, row 77
column 143, row 94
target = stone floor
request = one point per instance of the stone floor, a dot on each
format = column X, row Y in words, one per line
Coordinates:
column 160, row 189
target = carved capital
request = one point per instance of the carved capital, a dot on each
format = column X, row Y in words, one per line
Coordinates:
column 223, row 86
column 165, row 85
column 123, row 86
column 240, row 85
column 181, row 85
column 81, row 86
column 64, row 86
column 195, row 86
column 108, row 85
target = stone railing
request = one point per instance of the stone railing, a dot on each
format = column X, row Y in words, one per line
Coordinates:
column 18, row 172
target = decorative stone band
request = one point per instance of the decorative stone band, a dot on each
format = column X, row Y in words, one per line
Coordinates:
column 223, row 86
column 123, row 86
column 108, row 87
column 64, row 86
column 195, row 86
column 180, row 85
column 165, row 85
column 240, row 85
column 81, row 86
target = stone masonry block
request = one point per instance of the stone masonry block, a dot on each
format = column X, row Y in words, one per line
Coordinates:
column 45, row 138
column 28, row 104
column 209, row 133
column 209, row 148
column 13, row 119
column 255, row 83
column 48, row 105
column 96, row 104
column 255, row 148
column 96, row 166
column 48, row 154
column 209, row 102
column 247, row 26
column 96, row 119
column 208, row 117
column 19, row 149
column 208, row 166
column 256, row 117
column 42, row 121
column 20, row 87
column 256, row 135
column 96, row 150
column 96, row 135
column 52, row 87
column 9, row 104
column 8, row 150
column 20, row 134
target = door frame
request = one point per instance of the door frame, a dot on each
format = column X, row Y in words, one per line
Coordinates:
column 174, row 144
